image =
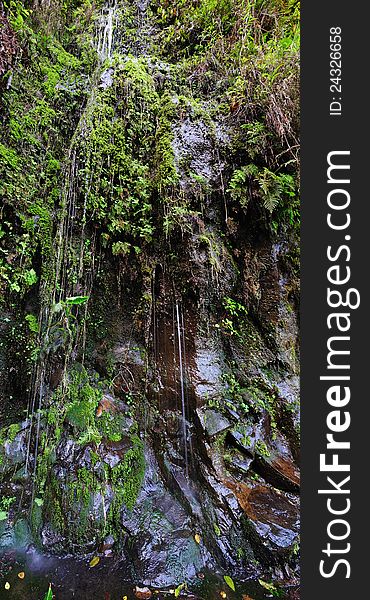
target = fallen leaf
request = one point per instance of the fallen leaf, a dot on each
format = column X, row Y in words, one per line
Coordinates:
column 178, row 589
column 94, row 561
column 269, row 586
column 197, row 538
column 7, row 585
column 229, row 582
column 143, row 593
column 21, row 575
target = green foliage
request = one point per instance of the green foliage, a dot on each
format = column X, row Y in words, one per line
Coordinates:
column 205, row 22
column 111, row 426
column 234, row 322
column 8, row 434
column 5, row 505
column 33, row 138
column 273, row 189
column 271, row 588
column 76, row 300
column 179, row 589
column 262, row 449
column 32, row 322
column 235, row 393
column 238, row 186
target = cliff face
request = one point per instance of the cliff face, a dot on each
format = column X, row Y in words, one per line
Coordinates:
column 148, row 272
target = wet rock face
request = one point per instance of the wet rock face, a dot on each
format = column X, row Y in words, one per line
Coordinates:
column 273, row 514
column 236, row 510
column 13, row 447
column 162, row 534
column 18, row 535
column 213, row 422
column 180, row 451
column 194, row 143
column 209, row 365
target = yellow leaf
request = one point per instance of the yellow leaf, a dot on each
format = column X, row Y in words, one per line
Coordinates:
column 197, row 538
column 268, row 586
column 178, row 589
column 223, row 594
column 94, row 561
column 124, row 598
column 229, row 582
column 21, row 575
column 7, row 585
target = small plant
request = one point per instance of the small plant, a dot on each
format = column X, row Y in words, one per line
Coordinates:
column 262, row 449
column 272, row 187
column 5, row 504
column 233, row 324
column 32, row 322
column 234, row 392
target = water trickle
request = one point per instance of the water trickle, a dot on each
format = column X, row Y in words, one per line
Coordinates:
column 182, row 387
column 71, row 277
column 105, row 31
column 186, row 387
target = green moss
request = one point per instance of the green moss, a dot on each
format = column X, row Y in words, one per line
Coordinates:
column 83, row 400
column 69, row 503
column 127, row 477
column 13, row 430
column 111, row 426
column 8, row 434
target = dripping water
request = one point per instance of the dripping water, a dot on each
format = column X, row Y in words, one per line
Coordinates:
column 186, row 387
column 182, row 388
column 106, row 27
column 56, row 291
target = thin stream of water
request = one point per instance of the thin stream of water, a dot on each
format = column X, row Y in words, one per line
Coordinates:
column 106, row 27
column 183, row 407
column 61, row 286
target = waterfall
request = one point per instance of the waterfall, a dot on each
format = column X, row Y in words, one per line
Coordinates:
column 69, row 278
column 106, row 26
